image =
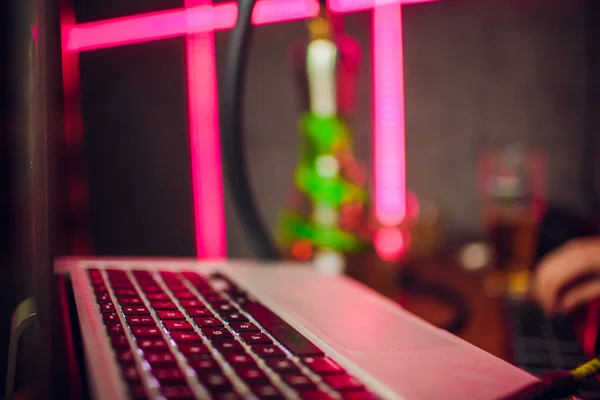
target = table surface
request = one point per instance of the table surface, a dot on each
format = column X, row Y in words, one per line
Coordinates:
column 486, row 327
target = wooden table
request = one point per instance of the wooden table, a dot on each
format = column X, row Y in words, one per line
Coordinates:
column 486, row 328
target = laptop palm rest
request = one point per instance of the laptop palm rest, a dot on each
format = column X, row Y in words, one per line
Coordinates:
column 352, row 316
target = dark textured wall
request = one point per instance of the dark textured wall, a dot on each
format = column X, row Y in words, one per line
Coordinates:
column 488, row 73
column 136, row 148
column 478, row 73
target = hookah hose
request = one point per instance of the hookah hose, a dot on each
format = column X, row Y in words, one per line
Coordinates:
column 234, row 152
column 558, row 385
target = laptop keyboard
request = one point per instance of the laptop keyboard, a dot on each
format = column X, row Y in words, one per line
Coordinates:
column 187, row 336
column 541, row 345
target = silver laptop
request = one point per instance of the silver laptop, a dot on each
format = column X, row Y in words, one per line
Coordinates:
column 183, row 329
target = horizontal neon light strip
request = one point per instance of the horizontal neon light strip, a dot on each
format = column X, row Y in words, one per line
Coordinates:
column 389, row 125
column 172, row 23
column 345, row 6
column 267, row 12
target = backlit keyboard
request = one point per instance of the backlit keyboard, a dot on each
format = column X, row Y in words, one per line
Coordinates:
column 543, row 345
column 188, row 336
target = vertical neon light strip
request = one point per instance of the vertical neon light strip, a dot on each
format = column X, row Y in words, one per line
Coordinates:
column 205, row 143
column 389, row 125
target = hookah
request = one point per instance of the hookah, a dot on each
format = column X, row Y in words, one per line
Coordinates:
column 327, row 213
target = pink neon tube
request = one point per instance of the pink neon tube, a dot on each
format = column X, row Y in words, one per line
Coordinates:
column 172, row 23
column 205, row 145
column 389, row 133
column 346, row 6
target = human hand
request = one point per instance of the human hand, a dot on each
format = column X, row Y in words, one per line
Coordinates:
column 569, row 276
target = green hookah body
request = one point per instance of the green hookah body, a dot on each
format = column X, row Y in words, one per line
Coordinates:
column 326, row 172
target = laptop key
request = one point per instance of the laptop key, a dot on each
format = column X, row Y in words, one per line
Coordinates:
column 244, row 327
column 315, row 395
column 107, row 306
column 153, row 345
column 125, row 357
column 186, row 336
column 233, row 317
column 112, row 272
column 200, row 312
column 267, row 392
column 204, row 322
column 215, row 299
column 140, row 273
column 135, row 310
column 164, row 305
column 293, row 340
column 146, row 332
column 94, row 272
column 215, row 382
column 322, row 365
column 169, row 275
column 176, row 325
column 103, row 297
column 158, row 297
column 268, row 351
column 217, row 333
column 228, row 346
column 130, row 373
column 122, row 285
column 161, row 359
column 359, row 395
column 241, row 299
column 115, row 328
column 152, row 289
column 185, row 295
column 123, row 293
column 119, row 341
column 135, row 320
column 177, row 392
column 203, row 366
column 252, row 376
column 283, row 366
column 225, row 307
column 168, row 314
column 169, row 375
column 131, row 301
column 193, row 350
column 187, row 303
column 343, row 382
column 227, row 396
column 177, row 287
column 207, row 291
column 193, row 277
column 96, row 280
column 240, row 360
column 111, row 318
column 100, row 289
column 137, row 391
column 255, row 338
column 298, row 381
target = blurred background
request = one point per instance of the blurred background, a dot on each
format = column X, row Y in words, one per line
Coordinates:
column 477, row 76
